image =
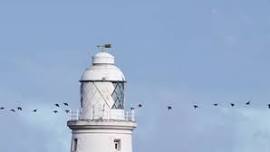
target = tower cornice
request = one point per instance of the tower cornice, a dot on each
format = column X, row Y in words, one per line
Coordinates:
column 101, row 124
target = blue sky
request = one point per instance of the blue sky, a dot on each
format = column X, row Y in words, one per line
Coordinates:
column 178, row 52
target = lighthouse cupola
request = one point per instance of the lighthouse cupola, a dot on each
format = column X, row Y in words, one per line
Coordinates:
column 102, row 88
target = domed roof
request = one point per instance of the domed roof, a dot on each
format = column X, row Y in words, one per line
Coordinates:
column 103, row 69
column 103, row 58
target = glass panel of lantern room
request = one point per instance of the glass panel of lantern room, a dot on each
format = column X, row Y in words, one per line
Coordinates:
column 118, row 95
column 81, row 95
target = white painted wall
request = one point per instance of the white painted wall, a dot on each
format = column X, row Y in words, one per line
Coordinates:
column 102, row 140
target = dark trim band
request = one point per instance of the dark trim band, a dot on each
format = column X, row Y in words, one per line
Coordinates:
column 103, row 81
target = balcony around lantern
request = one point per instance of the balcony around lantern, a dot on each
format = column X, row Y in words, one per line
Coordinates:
column 127, row 123
column 128, row 116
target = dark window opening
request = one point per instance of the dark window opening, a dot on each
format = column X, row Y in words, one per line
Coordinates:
column 75, row 145
column 117, row 144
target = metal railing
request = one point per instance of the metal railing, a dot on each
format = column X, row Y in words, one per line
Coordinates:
column 128, row 116
column 75, row 115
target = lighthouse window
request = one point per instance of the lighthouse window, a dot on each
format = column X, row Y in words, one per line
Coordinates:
column 75, row 145
column 117, row 145
column 118, row 95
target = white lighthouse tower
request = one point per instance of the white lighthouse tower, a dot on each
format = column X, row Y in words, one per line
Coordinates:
column 102, row 125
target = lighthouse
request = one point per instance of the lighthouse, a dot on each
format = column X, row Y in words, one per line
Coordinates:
column 102, row 124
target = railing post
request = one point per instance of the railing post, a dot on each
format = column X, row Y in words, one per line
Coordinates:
column 132, row 113
column 77, row 114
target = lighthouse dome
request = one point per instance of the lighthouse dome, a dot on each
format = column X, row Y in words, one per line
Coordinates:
column 103, row 58
column 103, row 69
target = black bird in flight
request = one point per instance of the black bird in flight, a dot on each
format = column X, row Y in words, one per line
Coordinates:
column 248, row 103
column 195, row 106
column 66, row 104
column 67, row 111
column 2, row 108
column 269, row 106
column 55, row 111
column 132, row 108
column 232, row 104
column 35, row 110
column 19, row 108
column 169, row 107
column 140, row 105
column 13, row 110
column 215, row 104
column 57, row 105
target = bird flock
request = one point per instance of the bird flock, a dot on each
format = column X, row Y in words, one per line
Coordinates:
column 65, row 106
column 58, row 108
column 197, row 106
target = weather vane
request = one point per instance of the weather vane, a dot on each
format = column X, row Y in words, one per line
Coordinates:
column 104, row 47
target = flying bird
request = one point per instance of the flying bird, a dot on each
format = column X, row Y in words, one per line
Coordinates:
column 2, row 108
column 195, row 106
column 248, row 103
column 132, row 108
column 269, row 106
column 57, row 105
column 66, row 104
column 35, row 110
column 67, row 111
column 169, row 107
column 13, row 110
column 55, row 111
column 140, row 105
column 215, row 104
column 19, row 108
column 232, row 104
